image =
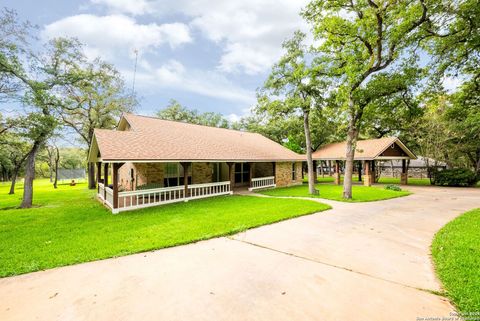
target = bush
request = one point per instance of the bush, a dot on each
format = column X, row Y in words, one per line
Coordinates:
column 392, row 187
column 455, row 177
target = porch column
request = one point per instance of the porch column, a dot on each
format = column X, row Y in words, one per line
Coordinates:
column 315, row 168
column 250, row 174
column 367, row 181
column 115, row 168
column 231, row 174
column 274, row 172
column 360, row 171
column 337, row 173
column 99, row 175
column 374, row 176
column 105, row 180
column 185, row 166
column 404, row 175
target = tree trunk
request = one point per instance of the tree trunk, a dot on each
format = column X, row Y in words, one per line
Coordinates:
column 350, row 155
column 91, row 176
column 30, row 176
column 14, row 179
column 477, row 169
column 57, row 159
column 308, row 144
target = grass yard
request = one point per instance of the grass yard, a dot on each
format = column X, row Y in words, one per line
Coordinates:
column 68, row 226
column 456, row 254
column 383, row 180
column 411, row 181
column 334, row 192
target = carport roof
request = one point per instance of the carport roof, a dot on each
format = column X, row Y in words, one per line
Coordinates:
column 369, row 149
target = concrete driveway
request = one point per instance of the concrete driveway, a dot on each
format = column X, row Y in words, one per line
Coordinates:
column 363, row 261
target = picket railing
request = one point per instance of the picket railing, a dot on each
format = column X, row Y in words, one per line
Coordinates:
column 109, row 199
column 150, row 197
column 101, row 191
column 131, row 200
column 262, row 182
column 208, row 189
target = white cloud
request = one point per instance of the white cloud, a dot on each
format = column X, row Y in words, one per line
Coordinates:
column 174, row 75
column 134, row 7
column 107, row 35
column 250, row 32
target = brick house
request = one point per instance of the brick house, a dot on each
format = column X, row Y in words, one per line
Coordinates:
column 152, row 161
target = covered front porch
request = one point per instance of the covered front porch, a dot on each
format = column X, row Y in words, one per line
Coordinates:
column 133, row 185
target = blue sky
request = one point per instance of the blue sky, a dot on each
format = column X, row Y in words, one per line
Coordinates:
column 207, row 54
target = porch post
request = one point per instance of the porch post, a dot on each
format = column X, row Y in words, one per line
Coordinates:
column 105, row 180
column 404, row 175
column 231, row 174
column 374, row 176
column 360, row 171
column 251, row 168
column 274, row 172
column 115, row 168
column 99, row 175
column 337, row 173
column 185, row 166
column 315, row 168
column 368, row 177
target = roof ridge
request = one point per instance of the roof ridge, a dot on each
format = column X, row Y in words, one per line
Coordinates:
column 186, row 123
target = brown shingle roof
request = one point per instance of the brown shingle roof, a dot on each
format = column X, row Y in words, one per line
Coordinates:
column 366, row 149
column 162, row 140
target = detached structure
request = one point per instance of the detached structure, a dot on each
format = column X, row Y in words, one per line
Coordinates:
column 154, row 161
column 367, row 152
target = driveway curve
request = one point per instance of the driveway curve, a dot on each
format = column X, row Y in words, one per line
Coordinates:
column 358, row 261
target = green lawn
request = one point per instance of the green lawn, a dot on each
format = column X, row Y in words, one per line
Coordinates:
column 334, row 192
column 411, row 181
column 383, row 180
column 456, row 254
column 68, row 226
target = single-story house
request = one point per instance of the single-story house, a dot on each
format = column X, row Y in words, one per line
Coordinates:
column 155, row 161
column 367, row 152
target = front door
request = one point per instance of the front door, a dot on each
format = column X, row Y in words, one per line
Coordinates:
column 242, row 174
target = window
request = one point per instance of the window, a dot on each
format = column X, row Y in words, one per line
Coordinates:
column 173, row 174
column 242, row 173
column 216, row 172
column 294, row 173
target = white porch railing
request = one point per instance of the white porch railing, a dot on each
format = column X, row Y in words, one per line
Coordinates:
column 109, row 199
column 152, row 197
column 262, row 182
column 101, row 191
column 209, row 189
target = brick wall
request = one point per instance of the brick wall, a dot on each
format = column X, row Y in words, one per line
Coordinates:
column 283, row 174
column 201, row 173
column 144, row 173
column 262, row 169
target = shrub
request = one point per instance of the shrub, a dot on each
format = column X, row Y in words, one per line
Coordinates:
column 455, row 177
column 392, row 187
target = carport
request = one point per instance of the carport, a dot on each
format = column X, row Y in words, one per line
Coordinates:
column 367, row 153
